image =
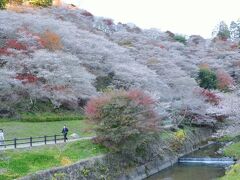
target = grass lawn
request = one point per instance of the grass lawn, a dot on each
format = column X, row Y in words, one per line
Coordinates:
column 50, row 116
column 233, row 173
column 17, row 163
column 21, row 129
column 232, row 151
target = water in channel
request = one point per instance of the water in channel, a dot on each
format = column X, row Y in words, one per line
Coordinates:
column 194, row 171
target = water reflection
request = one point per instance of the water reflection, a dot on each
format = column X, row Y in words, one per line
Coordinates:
column 189, row 172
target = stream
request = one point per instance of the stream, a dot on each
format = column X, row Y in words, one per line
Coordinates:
column 203, row 164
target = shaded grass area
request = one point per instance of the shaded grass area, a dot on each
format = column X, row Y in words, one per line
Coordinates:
column 224, row 139
column 228, row 138
column 46, row 117
column 233, row 173
column 42, row 111
column 21, row 129
column 233, row 151
column 17, row 163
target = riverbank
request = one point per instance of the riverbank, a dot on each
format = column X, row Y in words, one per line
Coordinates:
column 195, row 139
column 233, row 150
column 18, row 163
column 112, row 166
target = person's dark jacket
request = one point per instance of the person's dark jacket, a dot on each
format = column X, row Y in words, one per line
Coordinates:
column 65, row 130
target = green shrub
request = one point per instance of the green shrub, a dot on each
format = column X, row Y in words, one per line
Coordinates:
column 103, row 82
column 42, row 3
column 121, row 116
column 178, row 139
column 180, row 38
column 233, row 173
column 3, row 4
column 207, row 78
column 50, row 117
column 233, row 150
column 125, row 43
column 222, row 31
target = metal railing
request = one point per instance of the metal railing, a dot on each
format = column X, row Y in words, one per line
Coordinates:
column 31, row 141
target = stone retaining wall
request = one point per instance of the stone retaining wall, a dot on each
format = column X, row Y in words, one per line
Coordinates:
column 97, row 167
column 159, row 164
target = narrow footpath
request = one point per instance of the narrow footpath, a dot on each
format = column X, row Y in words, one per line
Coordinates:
column 21, row 146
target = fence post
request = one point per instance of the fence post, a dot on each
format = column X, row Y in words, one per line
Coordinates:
column 64, row 138
column 15, row 143
column 45, row 139
column 55, row 138
column 30, row 141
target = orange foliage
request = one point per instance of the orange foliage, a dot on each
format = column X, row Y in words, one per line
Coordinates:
column 224, row 80
column 204, row 66
column 51, row 41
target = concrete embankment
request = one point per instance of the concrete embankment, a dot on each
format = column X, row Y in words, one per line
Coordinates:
column 98, row 167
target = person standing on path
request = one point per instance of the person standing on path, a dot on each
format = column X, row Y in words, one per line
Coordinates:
column 1, row 137
column 65, row 131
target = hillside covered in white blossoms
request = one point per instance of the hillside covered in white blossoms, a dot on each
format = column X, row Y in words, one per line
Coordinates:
column 67, row 55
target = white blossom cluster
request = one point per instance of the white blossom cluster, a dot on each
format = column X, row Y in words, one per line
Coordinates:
column 149, row 60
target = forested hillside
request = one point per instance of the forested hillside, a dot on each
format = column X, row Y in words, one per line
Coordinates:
column 66, row 55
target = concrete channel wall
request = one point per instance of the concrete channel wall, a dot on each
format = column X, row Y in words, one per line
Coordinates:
column 96, row 168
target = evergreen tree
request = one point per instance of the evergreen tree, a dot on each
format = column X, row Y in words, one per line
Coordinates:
column 235, row 30
column 207, row 79
column 222, row 31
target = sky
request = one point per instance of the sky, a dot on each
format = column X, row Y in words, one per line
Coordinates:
column 187, row 17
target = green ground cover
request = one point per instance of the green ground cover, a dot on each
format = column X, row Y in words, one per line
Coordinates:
column 49, row 116
column 233, row 173
column 17, row 163
column 46, row 117
column 233, row 151
column 21, row 129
